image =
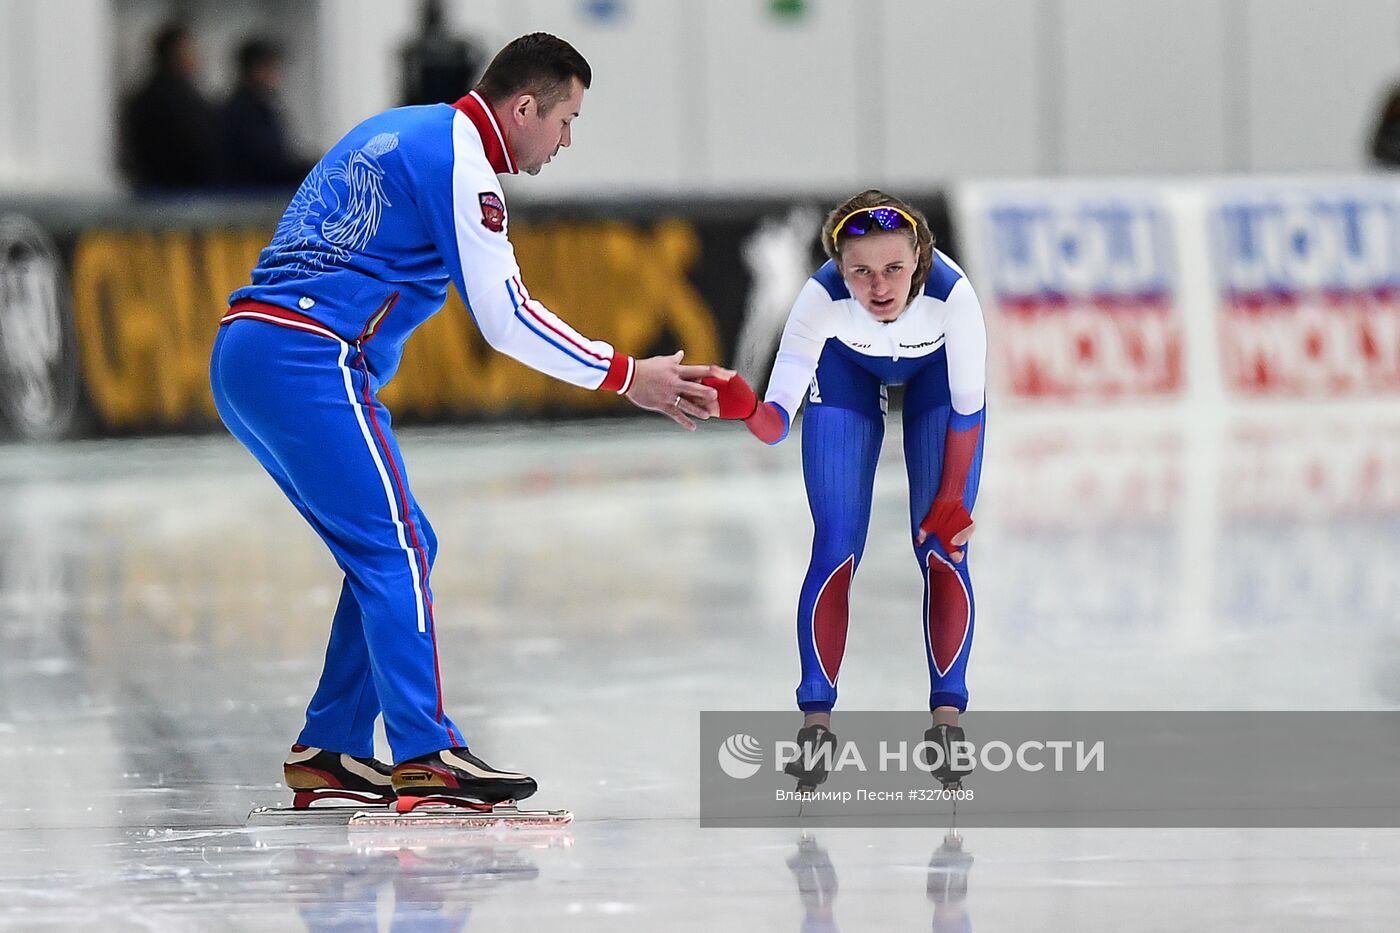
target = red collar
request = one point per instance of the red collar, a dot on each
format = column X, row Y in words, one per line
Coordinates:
column 492, row 139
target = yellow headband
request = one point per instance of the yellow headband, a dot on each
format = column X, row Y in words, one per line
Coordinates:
column 913, row 224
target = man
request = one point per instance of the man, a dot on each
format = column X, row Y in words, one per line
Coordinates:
column 407, row 201
column 254, row 140
column 167, row 128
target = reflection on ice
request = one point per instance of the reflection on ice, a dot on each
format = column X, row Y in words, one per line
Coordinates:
column 948, row 869
column 818, row 885
column 419, row 888
column 163, row 616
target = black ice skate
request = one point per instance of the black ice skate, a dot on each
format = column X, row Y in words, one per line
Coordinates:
column 314, row 775
column 945, row 737
column 817, row 747
column 455, row 777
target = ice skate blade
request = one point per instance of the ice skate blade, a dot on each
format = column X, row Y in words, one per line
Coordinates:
column 804, row 794
column 443, row 815
column 312, row 816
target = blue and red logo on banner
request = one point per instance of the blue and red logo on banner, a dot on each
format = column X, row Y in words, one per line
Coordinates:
column 1086, row 292
column 1309, row 291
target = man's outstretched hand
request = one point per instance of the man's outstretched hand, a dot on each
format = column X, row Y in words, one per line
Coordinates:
column 665, row 384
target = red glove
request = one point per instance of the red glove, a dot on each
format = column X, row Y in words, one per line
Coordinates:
column 948, row 519
column 951, row 523
column 736, row 399
column 737, row 402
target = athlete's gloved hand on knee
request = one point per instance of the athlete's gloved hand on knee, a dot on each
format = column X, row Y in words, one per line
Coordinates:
column 950, row 522
column 948, row 519
column 737, row 402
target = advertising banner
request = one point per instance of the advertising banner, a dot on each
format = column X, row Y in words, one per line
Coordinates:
column 108, row 315
column 1186, row 292
column 1307, row 280
column 38, row 354
column 1080, row 286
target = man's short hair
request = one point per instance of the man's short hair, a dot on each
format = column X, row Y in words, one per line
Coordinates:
column 538, row 64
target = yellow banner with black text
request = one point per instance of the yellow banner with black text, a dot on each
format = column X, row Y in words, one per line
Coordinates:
column 146, row 304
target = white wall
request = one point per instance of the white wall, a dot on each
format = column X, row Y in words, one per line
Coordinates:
column 780, row 99
column 356, row 43
column 636, row 129
column 1143, row 86
column 718, row 96
column 968, row 98
column 1317, row 73
column 56, row 114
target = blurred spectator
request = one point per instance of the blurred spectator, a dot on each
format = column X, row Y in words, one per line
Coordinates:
column 1385, row 145
column 252, row 134
column 438, row 67
column 167, row 129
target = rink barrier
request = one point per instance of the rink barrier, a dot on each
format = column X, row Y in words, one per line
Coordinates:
column 130, row 294
column 1206, row 291
column 1182, row 294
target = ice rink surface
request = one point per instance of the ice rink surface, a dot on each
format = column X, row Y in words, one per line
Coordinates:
column 163, row 613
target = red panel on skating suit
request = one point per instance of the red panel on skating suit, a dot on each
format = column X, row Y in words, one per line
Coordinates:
column 830, row 618
column 949, row 612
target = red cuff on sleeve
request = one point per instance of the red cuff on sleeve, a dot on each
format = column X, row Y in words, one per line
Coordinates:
column 959, row 447
column 767, row 423
column 619, row 377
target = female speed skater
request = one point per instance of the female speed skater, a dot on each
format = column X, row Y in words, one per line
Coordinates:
column 886, row 309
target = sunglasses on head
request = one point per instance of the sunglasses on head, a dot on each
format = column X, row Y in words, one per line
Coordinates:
column 865, row 220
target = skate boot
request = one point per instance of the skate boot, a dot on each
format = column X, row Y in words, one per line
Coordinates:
column 818, row 747
column 945, row 737
column 456, row 777
column 314, row 774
